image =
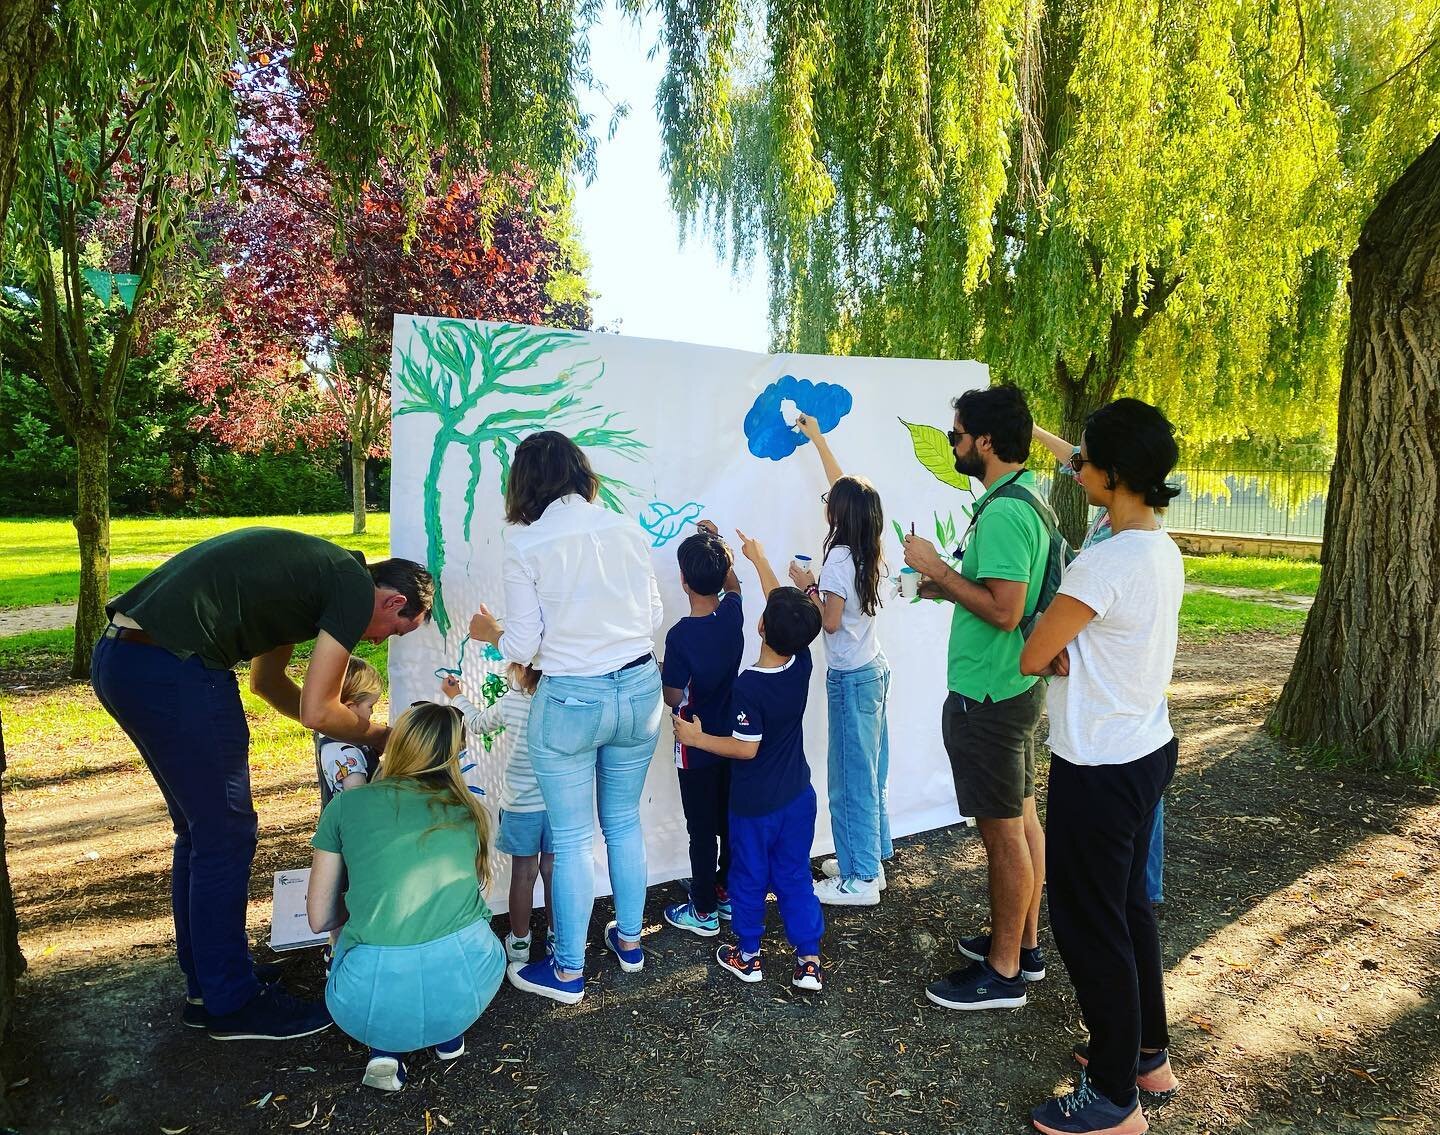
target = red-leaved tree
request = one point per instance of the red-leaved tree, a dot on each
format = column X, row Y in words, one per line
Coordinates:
column 299, row 350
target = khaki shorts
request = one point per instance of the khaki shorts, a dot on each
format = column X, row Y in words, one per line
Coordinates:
column 992, row 751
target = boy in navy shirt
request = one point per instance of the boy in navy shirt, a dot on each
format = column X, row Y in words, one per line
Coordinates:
column 772, row 805
column 702, row 654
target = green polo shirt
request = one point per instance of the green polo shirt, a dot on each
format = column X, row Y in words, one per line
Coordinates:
column 409, row 861
column 1009, row 542
column 240, row 595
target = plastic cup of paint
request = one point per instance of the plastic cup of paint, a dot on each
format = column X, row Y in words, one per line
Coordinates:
column 802, row 562
column 909, row 583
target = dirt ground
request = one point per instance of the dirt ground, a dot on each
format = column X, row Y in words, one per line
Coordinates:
column 1299, row 929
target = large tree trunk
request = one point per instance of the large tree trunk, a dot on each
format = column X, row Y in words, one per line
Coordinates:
column 92, row 528
column 1080, row 396
column 1364, row 683
column 25, row 41
column 12, row 961
column 357, row 490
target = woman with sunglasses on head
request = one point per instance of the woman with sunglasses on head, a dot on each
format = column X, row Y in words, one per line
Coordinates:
column 1116, row 619
column 400, row 868
column 857, row 683
column 581, row 605
column 1070, row 465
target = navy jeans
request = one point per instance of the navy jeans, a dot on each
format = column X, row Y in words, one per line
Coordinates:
column 189, row 726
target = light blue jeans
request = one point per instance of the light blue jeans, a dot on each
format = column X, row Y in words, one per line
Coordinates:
column 859, row 767
column 593, row 738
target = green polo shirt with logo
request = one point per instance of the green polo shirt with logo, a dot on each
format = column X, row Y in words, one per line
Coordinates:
column 1008, row 542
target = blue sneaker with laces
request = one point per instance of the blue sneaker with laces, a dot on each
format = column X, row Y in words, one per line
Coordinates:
column 540, row 978
column 684, row 916
column 632, row 960
column 1087, row 1112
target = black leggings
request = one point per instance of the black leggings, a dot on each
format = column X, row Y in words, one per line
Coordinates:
column 1097, row 838
column 705, row 796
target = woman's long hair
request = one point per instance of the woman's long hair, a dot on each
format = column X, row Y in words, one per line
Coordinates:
column 547, row 466
column 425, row 747
column 857, row 522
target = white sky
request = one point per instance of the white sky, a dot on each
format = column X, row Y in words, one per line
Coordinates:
column 642, row 275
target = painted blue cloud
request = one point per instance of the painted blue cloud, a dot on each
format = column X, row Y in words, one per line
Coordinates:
column 765, row 427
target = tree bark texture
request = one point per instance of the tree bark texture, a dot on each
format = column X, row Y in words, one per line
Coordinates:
column 12, row 961
column 25, row 42
column 1366, row 681
column 357, row 490
column 92, row 530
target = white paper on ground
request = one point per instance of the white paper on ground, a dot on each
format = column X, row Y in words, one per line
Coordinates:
column 289, row 924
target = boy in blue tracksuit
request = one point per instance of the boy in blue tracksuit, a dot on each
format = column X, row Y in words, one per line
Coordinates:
column 772, row 804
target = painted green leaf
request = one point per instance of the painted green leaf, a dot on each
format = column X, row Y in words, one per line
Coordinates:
column 932, row 450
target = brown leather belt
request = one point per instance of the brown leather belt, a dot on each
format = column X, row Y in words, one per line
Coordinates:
column 129, row 634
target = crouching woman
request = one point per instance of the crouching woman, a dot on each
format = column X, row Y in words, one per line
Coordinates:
column 401, row 865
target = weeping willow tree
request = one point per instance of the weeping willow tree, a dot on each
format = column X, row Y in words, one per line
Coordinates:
column 1093, row 197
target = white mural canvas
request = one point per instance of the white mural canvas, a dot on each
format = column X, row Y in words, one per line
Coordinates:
column 678, row 432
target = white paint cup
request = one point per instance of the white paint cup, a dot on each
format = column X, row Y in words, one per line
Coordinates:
column 802, row 562
column 909, row 583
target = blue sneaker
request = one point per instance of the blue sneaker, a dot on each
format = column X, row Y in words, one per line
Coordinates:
column 192, row 1011
column 451, row 1049
column 1154, row 1077
column 540, row 977
column 631, row 961
column 684, row 916
column 385, row 1071
column 722, row 903
column 1032, row 961
column 272, row 1014
column 1086, row 1112
column 978, row 987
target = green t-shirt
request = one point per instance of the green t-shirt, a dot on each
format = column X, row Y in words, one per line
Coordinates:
column 409, row 880
column 237, row 596
column 1009, row 542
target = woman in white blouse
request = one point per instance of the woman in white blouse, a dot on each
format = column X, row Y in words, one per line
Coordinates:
column 1115, row 621
column 582, row 606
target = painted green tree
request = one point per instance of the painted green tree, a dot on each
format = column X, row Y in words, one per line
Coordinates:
column 1092, row 196
column 452, row 367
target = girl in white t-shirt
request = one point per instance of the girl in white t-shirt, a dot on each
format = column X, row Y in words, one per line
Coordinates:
column 857, row 683
column 1108, row 639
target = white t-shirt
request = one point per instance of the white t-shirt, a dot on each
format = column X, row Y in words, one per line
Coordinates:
column 1112, row 709
column 855, row 642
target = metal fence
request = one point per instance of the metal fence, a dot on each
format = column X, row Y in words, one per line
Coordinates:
column 1250, row 502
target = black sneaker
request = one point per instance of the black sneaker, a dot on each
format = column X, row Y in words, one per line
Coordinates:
column 1032, row 961
column 272, row 1014
column 192, row 1010
column 978, row 987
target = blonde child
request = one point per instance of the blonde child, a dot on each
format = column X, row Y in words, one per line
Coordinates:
column 525, row 833
column 339, row 765
column 400, row 870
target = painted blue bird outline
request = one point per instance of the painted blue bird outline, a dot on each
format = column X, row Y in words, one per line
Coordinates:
column 664, row 521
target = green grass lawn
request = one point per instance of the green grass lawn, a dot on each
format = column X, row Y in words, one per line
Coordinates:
column 1297, row 577
column 38, row 557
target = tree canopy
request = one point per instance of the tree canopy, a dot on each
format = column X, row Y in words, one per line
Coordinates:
column 1089, row 196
